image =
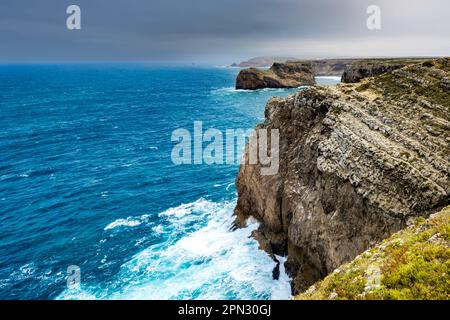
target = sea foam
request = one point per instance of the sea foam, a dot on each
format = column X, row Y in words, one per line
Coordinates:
column 211, row 262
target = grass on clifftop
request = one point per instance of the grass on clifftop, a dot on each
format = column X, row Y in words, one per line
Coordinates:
column 412, row 264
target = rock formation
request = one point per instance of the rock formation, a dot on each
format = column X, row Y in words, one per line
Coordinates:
column 330, row 67
column 280, row 75
column 357, row 163
column 360, row 69
column 291, row 74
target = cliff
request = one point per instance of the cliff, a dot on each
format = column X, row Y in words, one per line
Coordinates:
column 293, row 74
column 412, row 264
column 364, row 68
column 330, row 67
column 358, row 162
column 280, row 75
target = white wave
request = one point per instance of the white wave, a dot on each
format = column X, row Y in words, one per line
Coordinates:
column 128, row 222
column 200, row 259
column 158, row 229
column 127, row 165
column 140, row 241
column 250, row 221
column 228, row 90
column 183, row 209
column 229, row 186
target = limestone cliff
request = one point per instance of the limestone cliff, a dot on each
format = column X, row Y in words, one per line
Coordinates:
column 280, row 75
column 357, row 163
column 364, row 68
column 330, row 67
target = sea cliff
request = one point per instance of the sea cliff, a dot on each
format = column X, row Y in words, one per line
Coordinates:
column 358, row 162
column 365, row 68
column 295, row 73
column 280, row 75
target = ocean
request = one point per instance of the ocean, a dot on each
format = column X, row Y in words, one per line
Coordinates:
column 87, row 181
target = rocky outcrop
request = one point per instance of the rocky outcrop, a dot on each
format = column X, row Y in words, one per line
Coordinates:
column 280, row 75
column 357, row 163
column 360, row 69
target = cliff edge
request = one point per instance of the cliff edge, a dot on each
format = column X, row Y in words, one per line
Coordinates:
column 358, row 162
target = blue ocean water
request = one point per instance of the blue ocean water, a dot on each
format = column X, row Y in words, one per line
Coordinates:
column 86, row 179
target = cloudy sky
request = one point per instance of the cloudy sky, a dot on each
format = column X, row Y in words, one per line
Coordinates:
column 219, row 31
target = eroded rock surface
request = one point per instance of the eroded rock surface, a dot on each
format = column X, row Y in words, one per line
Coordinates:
column 357, row 162
column 360, row 69
column 280, row 75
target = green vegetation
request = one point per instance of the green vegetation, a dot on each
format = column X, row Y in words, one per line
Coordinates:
column 417, row 85
column 411, row 264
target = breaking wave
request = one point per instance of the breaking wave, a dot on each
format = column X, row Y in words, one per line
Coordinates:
column 201, row 258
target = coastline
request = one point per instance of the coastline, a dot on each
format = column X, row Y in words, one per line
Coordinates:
column 344, row 159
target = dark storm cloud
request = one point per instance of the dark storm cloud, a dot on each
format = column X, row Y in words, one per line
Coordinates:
column 216, row 31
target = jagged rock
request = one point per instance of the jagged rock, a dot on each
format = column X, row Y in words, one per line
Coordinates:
column 357, row 163
column 280, row 75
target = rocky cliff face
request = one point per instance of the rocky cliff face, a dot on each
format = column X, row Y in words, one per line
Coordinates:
column 357, row 162
column 280, row 75
column 330, row 67
column 360, row 69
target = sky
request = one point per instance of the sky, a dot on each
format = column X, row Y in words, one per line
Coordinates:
column 219, row 31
